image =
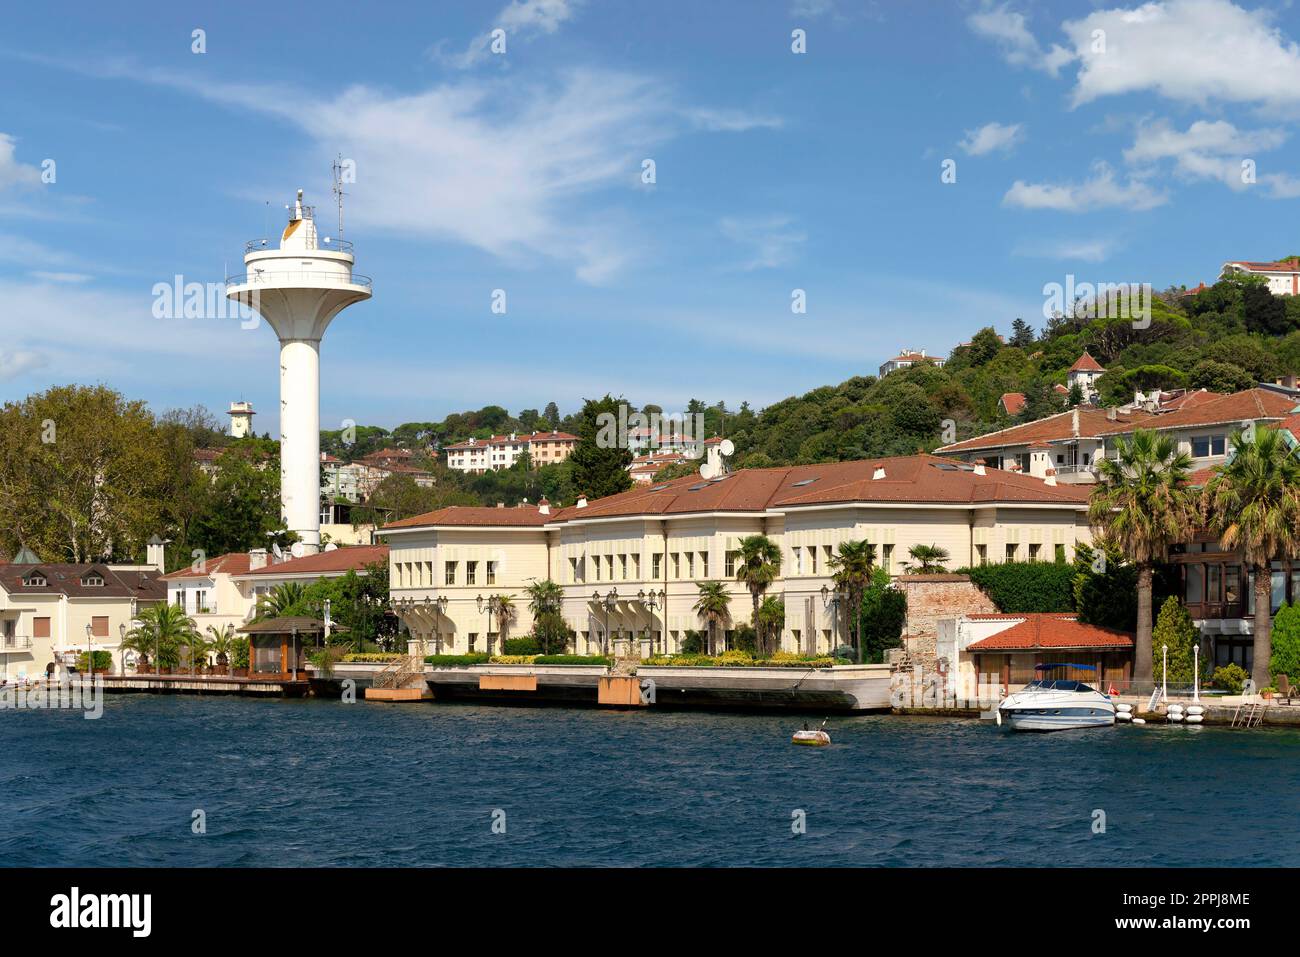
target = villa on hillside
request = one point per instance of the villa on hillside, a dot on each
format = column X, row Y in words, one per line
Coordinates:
column 496, row 452
column 907, row 358
column 1283, row 277
column 629, row 564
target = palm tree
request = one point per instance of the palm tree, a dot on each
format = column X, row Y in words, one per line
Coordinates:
column 852, row 565
column 196, row 650
column 1253, row 503
column 713, row 607
column 927, row 559
column 760, row 563
column 769, row 620
column 1143, row 503
column 222, row 643
column 503, row 607
column 162, row 631
column 544, row 596
column 281, row 601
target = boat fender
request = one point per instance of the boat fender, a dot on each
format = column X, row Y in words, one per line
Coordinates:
column 1195, row 709
column 1175, row 716
column 1123, row 716
column 1195, row 718
column 1124, row 707
column 1139, row 720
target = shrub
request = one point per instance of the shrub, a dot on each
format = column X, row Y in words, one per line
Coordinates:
column 239, row 653
column 736, row 657
column 552, row 634
column 884, row 612
column 844, row 651
column 744, row 638
column 1286, row 642
column 1174, row 628
column 1231, row 678
column 525, row 645
column 477, row 658
column 693, row 642
column 512, row 659
column 571, row 660
column 1017, row 587
column 103, row 661
column 373, row 658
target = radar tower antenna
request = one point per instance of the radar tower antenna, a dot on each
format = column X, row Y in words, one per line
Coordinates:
column 337, row 169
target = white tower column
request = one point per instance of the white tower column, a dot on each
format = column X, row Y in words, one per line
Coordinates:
column 298, row 287
column 300, row 439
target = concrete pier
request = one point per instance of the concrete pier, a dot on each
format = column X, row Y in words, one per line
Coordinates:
column 203, row 684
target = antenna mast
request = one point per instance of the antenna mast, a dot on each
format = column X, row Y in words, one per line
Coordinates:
column 337, row 169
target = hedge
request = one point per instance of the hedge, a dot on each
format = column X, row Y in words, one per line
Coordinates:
column 375, row 658
column 477, row 658
column 1019, row 587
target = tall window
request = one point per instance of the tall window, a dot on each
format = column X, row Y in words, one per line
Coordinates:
column 704, row 564
column 981, row 554
column 656, row 565
column 491, row 573
column 471, row 573
column 730, row 565
column 449, row 573
column 573, row 569
column 1011, row 552
column 887, row 562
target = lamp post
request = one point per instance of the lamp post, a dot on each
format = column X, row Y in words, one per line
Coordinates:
column 652, row 600
column 1164, row 675
column 492, row 604
column 831, row 599
column 1196, row 671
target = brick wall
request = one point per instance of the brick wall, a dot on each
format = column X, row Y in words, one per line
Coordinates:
column 931, row 598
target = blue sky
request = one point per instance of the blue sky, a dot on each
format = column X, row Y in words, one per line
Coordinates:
column 1119, row 161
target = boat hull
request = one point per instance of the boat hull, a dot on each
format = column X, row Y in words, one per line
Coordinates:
column 1055, row 719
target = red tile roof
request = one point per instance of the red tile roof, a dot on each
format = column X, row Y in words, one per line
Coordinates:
column 1086, row 363
column 1247, row 405
column 347, row 558
column 1054, row 428
column 1285, row 266
column 1012, row 402
column 912, row 479
column 1049, row 631
column 231, row 563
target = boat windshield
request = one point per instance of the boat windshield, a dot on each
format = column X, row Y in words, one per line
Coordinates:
column 1057, row 684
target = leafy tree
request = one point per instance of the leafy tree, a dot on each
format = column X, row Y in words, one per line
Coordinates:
column 552, row 415
column 285, row 600
column 1104, row 587
column 1019, row 587
column 1022, row 334
column 927, row 560
column 1253, row 504
column 1144, row 503
column 884, row 613
column 163, row 631
column 1220, row 376
column 984, row 346
column 769, row 622
column 552, row 633
column 1174, row 630
column 1286, row 642
column 713, row 607
column 760, row 563
column 852, row 567
column 1264, row 312
column 243, row 508
column 599, row 471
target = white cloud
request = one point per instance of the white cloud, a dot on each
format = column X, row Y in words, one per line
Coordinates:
column 771, row 239
column 1281, row 185
column 731, row 121
column 1010, row 31
column 1100, row 191
column 12, row 172
column 1070, row 248
column 521, row 20
column 1206, row 150
column 14, row 362
column 63, row 277
column 992, row 136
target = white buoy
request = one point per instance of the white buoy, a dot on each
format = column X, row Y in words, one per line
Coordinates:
column 1195, row 718
column 1123, row 707
column 1175, row 706
column 1195, row 710
column 1123, row 716
column 1139, row 720
column 1175, row 716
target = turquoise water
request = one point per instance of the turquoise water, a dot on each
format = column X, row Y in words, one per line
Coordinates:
column 328, row 784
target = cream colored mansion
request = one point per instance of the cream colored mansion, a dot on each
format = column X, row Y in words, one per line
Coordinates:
column 629, row 564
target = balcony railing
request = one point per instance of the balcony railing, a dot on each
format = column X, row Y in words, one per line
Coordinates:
column 326, row 244
column 273, row 277
column 14, row 642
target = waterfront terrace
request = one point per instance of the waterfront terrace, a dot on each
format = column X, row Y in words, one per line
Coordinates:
column 629, row 564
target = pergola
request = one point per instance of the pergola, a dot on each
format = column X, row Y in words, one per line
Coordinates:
column 277, row 647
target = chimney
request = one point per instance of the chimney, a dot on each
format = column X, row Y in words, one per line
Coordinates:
column 979, row 467
column 1112, row 413
column 582, row 502
column 1050, row 477
column 256, row 559
column 1074, row 424
column 544, row 506
column 878, row 474
column 156, row 554
column 501, row 504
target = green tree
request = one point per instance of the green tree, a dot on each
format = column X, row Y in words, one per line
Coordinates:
column 1286, row 643
column 852, row 567
column 769, row 622
column 713, row 607
column 285, row 600
column 221, row 641
column 600, row 458
column 1022, row 334
column 984, row 346
column 163, row 631
column 1174, row 630
column 1144, row 503
column 1104, row 586
column 1253, row 504
column 927, row 560
column 884, row 613
column 760, row 563
column 243, row 509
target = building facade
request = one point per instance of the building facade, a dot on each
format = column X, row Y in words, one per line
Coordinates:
column 629, row 564
column 503, row 451
column 1283, row 277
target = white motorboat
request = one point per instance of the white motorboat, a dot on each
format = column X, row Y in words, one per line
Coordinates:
column 1056, row 704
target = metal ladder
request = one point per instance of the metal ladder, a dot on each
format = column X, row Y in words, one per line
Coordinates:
column 1248, row 715
column 399, row 672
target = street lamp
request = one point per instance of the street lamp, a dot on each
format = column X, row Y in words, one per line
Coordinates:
column 90, row 651
column 652, row 600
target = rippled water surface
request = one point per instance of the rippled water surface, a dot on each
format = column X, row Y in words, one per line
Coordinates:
column 323, row 783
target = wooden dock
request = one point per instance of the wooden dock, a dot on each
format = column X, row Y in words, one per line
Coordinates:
column 204, row 684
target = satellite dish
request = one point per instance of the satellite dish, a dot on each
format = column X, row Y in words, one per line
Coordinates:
column 298, row 550
column 708, row 470
column 331, row 546
column 275, row 550
column 726, row 447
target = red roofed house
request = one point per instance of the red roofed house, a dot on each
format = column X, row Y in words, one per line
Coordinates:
column 503, row 451
column 1283, row 277
column 629, row 564
column 1084, row 373
column 907, row 358
column 1012, row 403
column 1002, row 650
